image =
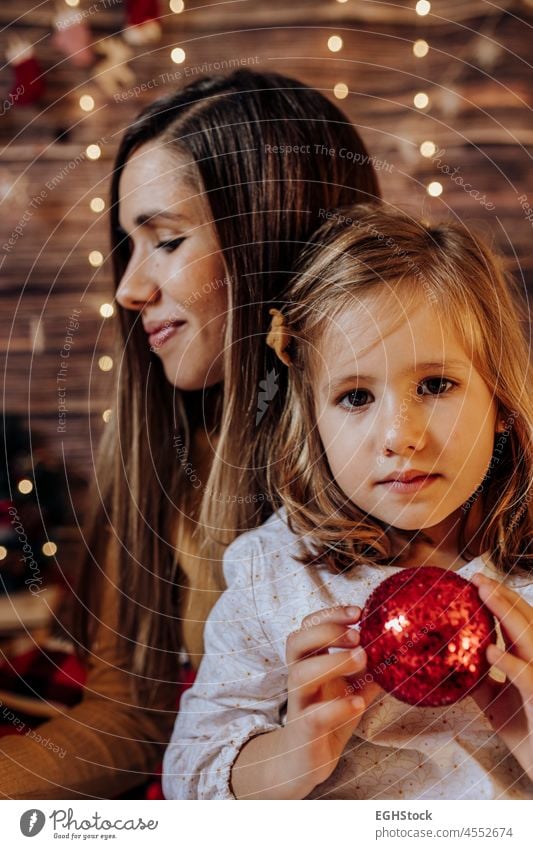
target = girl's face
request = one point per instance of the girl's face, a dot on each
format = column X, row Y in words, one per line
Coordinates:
column 405, row 402
column 175, row 277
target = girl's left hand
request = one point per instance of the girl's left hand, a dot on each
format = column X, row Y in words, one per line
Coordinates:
column 509, row 706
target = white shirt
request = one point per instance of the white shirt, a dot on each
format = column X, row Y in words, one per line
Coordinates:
column 396, row 752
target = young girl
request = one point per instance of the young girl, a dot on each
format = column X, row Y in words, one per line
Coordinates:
column 405, row 441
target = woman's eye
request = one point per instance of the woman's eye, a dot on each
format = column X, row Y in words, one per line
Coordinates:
column 435, row 386
column 170, row 244
column 355, row 398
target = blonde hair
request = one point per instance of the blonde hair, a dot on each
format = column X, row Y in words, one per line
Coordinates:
column 371, row 249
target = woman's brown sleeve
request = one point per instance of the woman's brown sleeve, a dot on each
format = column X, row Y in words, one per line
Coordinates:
column 102, row 747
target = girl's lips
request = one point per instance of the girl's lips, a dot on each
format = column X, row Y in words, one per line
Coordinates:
column 159, row 337
column 413, row 485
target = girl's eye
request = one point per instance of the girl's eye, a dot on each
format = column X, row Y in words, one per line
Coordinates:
column 435, row 385
column 171, row 244
column 355, row 398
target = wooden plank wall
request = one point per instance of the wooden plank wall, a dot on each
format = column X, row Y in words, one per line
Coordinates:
column 476, row 75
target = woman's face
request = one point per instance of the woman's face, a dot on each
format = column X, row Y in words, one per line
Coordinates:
column 175, row 278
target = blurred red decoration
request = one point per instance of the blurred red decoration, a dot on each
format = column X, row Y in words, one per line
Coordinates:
column 29, row 81
column 73, row 38
column 142, row 24
column 426, row 631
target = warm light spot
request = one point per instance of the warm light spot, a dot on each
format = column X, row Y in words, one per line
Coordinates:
column 86, row 102
column 178, row 55
column 434, row 189
column 96, row 258
column 94, row 151
column 420, row 48
column 25, row 486
column 105, row 363
column 397, row 624
column 3, row 552
column 423, row 7
column 49, row 549
column 335, row 43
column 427, row 149
column 452, row 647
column 72, row 2
column 421, row 100
column 465, row 642
column 472, row 667
column 97, row 204
column 176, row 6
column 106, row 415
column 341, row 91
column 107, row 310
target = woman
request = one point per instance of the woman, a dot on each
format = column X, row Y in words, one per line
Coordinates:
column 215, row 189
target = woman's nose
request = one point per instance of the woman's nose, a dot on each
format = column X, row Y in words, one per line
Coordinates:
column 405, row 429
column 137, row 288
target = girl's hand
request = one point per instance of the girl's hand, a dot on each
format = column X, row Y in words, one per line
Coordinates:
column 322, row 710
column 509, row 706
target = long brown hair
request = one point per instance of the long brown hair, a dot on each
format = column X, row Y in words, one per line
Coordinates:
column 390, row 255
column 237, row 130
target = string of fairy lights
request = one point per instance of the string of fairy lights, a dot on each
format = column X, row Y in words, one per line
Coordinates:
column 420, row 99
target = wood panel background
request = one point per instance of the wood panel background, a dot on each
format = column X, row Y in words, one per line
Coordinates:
column 477, row 74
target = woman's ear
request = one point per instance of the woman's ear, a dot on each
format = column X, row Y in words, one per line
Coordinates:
column 500, row 421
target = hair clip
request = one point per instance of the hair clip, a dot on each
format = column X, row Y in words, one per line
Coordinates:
column 279, row 336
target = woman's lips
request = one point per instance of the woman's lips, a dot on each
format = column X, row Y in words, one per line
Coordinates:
column 414, row 485
column 158, row 338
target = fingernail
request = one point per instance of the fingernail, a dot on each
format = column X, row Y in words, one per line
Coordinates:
column 351, row 611
column 358, row 702
column 353, row 636
column 358, row 654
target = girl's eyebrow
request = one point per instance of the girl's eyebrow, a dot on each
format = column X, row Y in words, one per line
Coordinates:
column 423, row 366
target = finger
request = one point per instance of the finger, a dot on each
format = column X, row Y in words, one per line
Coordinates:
column 325, row 717
column 309, row 675
column 479, row 579
column 519, row 672
column 342, row 615
column 515, row 624
column 316, row 638
column 363, row 685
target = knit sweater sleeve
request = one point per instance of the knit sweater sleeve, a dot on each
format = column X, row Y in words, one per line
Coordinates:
column 105, row 745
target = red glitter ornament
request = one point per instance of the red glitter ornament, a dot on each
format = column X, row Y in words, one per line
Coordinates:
column 426, row 631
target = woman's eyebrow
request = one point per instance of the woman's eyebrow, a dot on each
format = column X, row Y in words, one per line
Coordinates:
column 146, row 218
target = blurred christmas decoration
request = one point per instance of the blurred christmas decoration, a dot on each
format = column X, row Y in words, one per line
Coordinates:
column 73, row 37
column 33, row 506
column 142, row 22
column 113, row 74
column 29, row 83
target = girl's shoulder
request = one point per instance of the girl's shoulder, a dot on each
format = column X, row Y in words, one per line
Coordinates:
column 262, row 545
column 260, row 549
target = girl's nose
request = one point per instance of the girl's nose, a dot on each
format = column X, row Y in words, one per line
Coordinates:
column 137, row 287
column 405, row 433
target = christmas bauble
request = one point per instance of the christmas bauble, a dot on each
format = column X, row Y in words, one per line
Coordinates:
column 425, row 631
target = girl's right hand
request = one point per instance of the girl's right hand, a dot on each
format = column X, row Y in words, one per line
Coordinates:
column 324, row 705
